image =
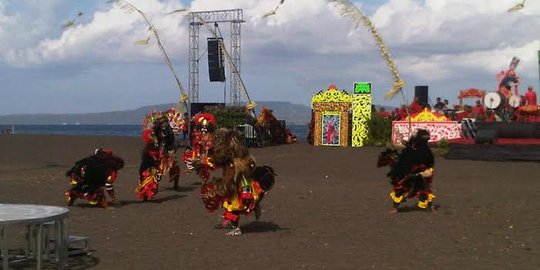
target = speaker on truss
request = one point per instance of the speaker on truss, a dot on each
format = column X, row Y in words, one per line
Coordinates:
column 216, row 69
column 421, row 92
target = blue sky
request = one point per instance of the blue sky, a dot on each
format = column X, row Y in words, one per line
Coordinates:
column 96, row 65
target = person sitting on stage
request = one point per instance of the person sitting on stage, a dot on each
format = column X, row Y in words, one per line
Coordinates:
column 90, row 177
column 478, row 110
column 466, row 113
column 412, row 174
column 439, row 105
column 530, row 96
column 415, row 107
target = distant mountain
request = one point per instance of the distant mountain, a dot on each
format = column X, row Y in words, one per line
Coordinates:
column 292, row 113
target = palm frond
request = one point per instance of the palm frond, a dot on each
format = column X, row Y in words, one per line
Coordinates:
column 273, row 12
column 129, row 8
column 349, row 10
column 517, row 7
column 143, row 41
column 177, row 11
column 68, row 24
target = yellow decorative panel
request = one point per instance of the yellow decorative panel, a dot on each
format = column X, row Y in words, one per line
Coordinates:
column 361, row 113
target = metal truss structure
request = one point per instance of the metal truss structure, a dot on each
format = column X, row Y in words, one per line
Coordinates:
column 233, row 16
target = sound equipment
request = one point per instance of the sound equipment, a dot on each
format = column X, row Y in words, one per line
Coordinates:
column 216, row 68
column 514, row 101
column 421, row 93
column 492, row 100
column 487, row 136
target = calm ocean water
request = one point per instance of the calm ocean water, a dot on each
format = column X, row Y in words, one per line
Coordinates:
column 108, row 130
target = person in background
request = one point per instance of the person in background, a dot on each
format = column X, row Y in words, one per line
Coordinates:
column 383, row 113
column 439, row 105
column 185, row 128
column 446, row 105
column 415, row 106
column 478, row 110
column 530, row 96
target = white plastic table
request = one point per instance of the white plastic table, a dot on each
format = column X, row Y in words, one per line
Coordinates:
column 36, row 215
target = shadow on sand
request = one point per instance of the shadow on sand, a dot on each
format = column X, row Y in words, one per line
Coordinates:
column 410, row 208
column 158, row 200
column 262, row 227
column 82, row 262
column 79, row 262
column 182, row 189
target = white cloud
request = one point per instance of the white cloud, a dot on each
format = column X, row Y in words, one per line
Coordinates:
column 305, row 46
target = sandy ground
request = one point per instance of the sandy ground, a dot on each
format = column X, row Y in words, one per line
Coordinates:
column 328, row 210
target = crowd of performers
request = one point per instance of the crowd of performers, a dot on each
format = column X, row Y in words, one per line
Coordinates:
column 242, row 184
column 411, row 172
column 239, row 190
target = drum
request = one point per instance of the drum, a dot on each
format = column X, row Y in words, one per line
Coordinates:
column 265, row 176
column 514, row 101
column 493, row 100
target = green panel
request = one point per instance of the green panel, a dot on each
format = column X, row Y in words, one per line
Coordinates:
column 362, row 88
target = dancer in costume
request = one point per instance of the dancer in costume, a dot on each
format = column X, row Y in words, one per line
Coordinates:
column 242, row 185
column 411, row 171
column 202, row 144
column 159, row 154
column 167, row 145
column 90, row 177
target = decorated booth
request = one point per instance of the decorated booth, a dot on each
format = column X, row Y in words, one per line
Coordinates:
column 471, row 93
column 439, row 127
column 331, row 117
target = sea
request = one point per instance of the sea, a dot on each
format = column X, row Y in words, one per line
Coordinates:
column 105, row 130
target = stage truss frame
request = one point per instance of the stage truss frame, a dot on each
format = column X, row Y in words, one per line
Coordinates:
column 233, row 16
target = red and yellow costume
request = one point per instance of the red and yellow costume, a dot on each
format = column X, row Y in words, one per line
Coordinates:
column 202, row 142
column 159, row 154
column 242, row 186
column 411, row 172
column 92, row 176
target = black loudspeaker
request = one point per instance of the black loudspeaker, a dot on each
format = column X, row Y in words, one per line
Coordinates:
column 421, row 92
column 216, row 69
column 488, row 136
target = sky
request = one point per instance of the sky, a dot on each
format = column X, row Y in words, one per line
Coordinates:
column 96, row 64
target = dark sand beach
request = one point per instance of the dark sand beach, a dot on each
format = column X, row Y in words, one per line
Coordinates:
column 328, row 210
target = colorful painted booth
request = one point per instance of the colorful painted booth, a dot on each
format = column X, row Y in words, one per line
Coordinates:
column 331, row 117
